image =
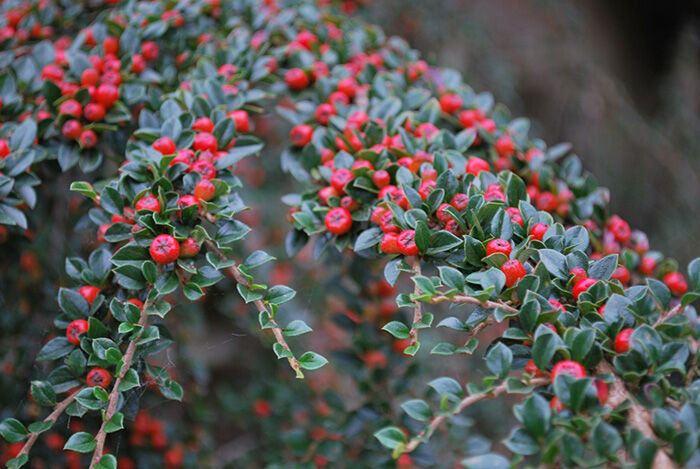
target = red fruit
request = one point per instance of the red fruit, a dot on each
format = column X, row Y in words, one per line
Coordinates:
column 189, row 248
column 173, row 457
column 532, row 368
column 557, row 305
column 348, row 86
column 578, row 273
column 407, row 243
column 75, row 328
column 99, row 377
column 622, row 341
column 94, row 112
column 107, row 94
column 426, row 187
column 89, row 293
column 340, row 178
column 71, row 107
column 647, row 266
column 204, row 190
column 205, row 141
column 387, row 223
column 601, row 388
column 676, row 283
column 187, row 201
column 514, row 214
column 547, row 201
column 301, row 134
column 442, row 214
column 622, row 274
column 165, row 146
column 390, row 244
column 470, row 117
column 556, row 405
column 323, row 113
column 165, row 249
column 88, row 138
column 514, row 271
column 620, row 229
column 138, row 63
column 568, row 367
column 377, row 215
column 405, row 461
column 296, row 79
column 326, row 193
column 110, row 45
column 498, row 245
column 72, row 129
column 538, row 230
column 533, row 153
column 476, row 165
column 150, row 50
column 338, row 220
column 381, row 178
column 205, row 168
column 240, row 117
column 203, row 124
column 460, row 201
column 136, row 302
column 582, row 285
column 450, row 103
column 4, row 148
column 52, row 72
column 504, row 145
column 148, row 202
column 262, row 408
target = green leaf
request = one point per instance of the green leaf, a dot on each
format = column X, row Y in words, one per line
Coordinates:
column 397, row 329
column 116, row 423
column 295, row 328
column 55, row 348
column 486, row 461
column 368, row 238
column 13, row 430
column 84, row 188
column 535, row 415
column 43, row 393
column 499, row 359
column 279, row 294
column 40, row 427
column 445, row 386
column 130, row 381
column 258, row 258
column 312, row 361
column 391, row 437
column 451, row 277
column 521, row 442
column 603, row 268
column 81, row 442
column 107, row 462
column 171, row 389
column 417, row 409
column 606, row 439
column 554, row 262
column 72, row 303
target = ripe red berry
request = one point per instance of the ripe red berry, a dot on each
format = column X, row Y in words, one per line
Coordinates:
column 88, row 138
column 148, row 202
column 205, row 141
column 622, row 340
column 340, row 178
column 338, row 220
column 71, row 107
column 204, row 190
column 4, row 148
column 75, row 328
column 323, row 113
column 348, row 86
column 136, row 302
column 556, row 405
column 165, row 146
column 568, row 367
column 582, row 285
column 165, row 249
column 107, row 94
column 442, row 214
column 538, row 230
column 676, row 283
column 72, row 129
column 89, row 292
column 99, row 377
column 504, row 145
column 514, row 271
column 205, row 168
column 381, row 178
column 296, row 79
column 450, row 103
column 150, row 50
column 621, row 274
column 94, row 112
column 186, row 201
column 460, row 201
column 240, row 117
column 601, row 388
column 578, row 273
column 498, row 245
column 203, row 124
column 110, row 44
column 301, row 134
column 390, row 244
column 476, row 165
column 189, row 248
column 407, row 243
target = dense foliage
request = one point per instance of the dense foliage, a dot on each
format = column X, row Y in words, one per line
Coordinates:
column 401, row 168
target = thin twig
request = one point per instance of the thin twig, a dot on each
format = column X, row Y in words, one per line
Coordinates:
column 463, row 404
column 52, row 417
column 488, row 304
column 418, row 311
column 114, row 394
column 675, row 311
column 239, row 277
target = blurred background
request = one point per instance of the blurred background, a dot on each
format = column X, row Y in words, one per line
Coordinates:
column 618, row 79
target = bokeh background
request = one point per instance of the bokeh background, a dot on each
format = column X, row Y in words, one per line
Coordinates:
column 618, row 79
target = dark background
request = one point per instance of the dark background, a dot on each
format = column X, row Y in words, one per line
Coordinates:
column 619, row 79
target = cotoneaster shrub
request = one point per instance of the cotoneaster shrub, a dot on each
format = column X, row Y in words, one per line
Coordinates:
column 400, row 168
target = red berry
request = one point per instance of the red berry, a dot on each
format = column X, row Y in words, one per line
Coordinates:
column 296, row 79
column 622, row 341
column 94, row 112
column 442, row 214
column 165, row 146
column 338, row 220
column 450, row 103
column 390, row 244
column 72, row 129
column 164, row 249
column 203, row 124
column 476, row 165
column 514, row 271
column 240, row 117
column 99, row 377
column 205, row 168
column 601, row 388
column 205, row 141
column 75, row 328
column 498, row 245
column 557, row 305
column 148, row 202
column 381, row 178
column 89, row 293
column 204, row 190
column 578, row 273
column 71, row 107
column 186, row 201
column 538, row 230
column 107, row 94
column 556, row 405
column 620, row 229
column 460, row 201
column 323, row 113
column 88, row 138
column 348, row 86
column 136, row 302
column 676, row 283
column 301, row 134
column 340, row 179
column 504, row 145
column 4, row 148
column 621, row 274
column 647, row 266
column 407, row 243
column 547, row 201
column 189, row 248
column 568, row 367
column 110, row 45
column 514, row 214
column 377, row 215
column 150, row 50
column 582, row 286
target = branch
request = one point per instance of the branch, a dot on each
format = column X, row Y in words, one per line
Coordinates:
column 114, row 394
column 276, row 329
column 487, row 304
column 675, row 311
column 418, row 311
column 52, row 417
column 637, row 416
column 463, row 404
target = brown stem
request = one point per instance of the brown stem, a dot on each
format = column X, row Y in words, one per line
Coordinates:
column 276, row 329
column 675, row 311
column 488, row 304
column 637, row 416
column 114, row 394
column 57, row 411
column 463, row 404
column 418, row 311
